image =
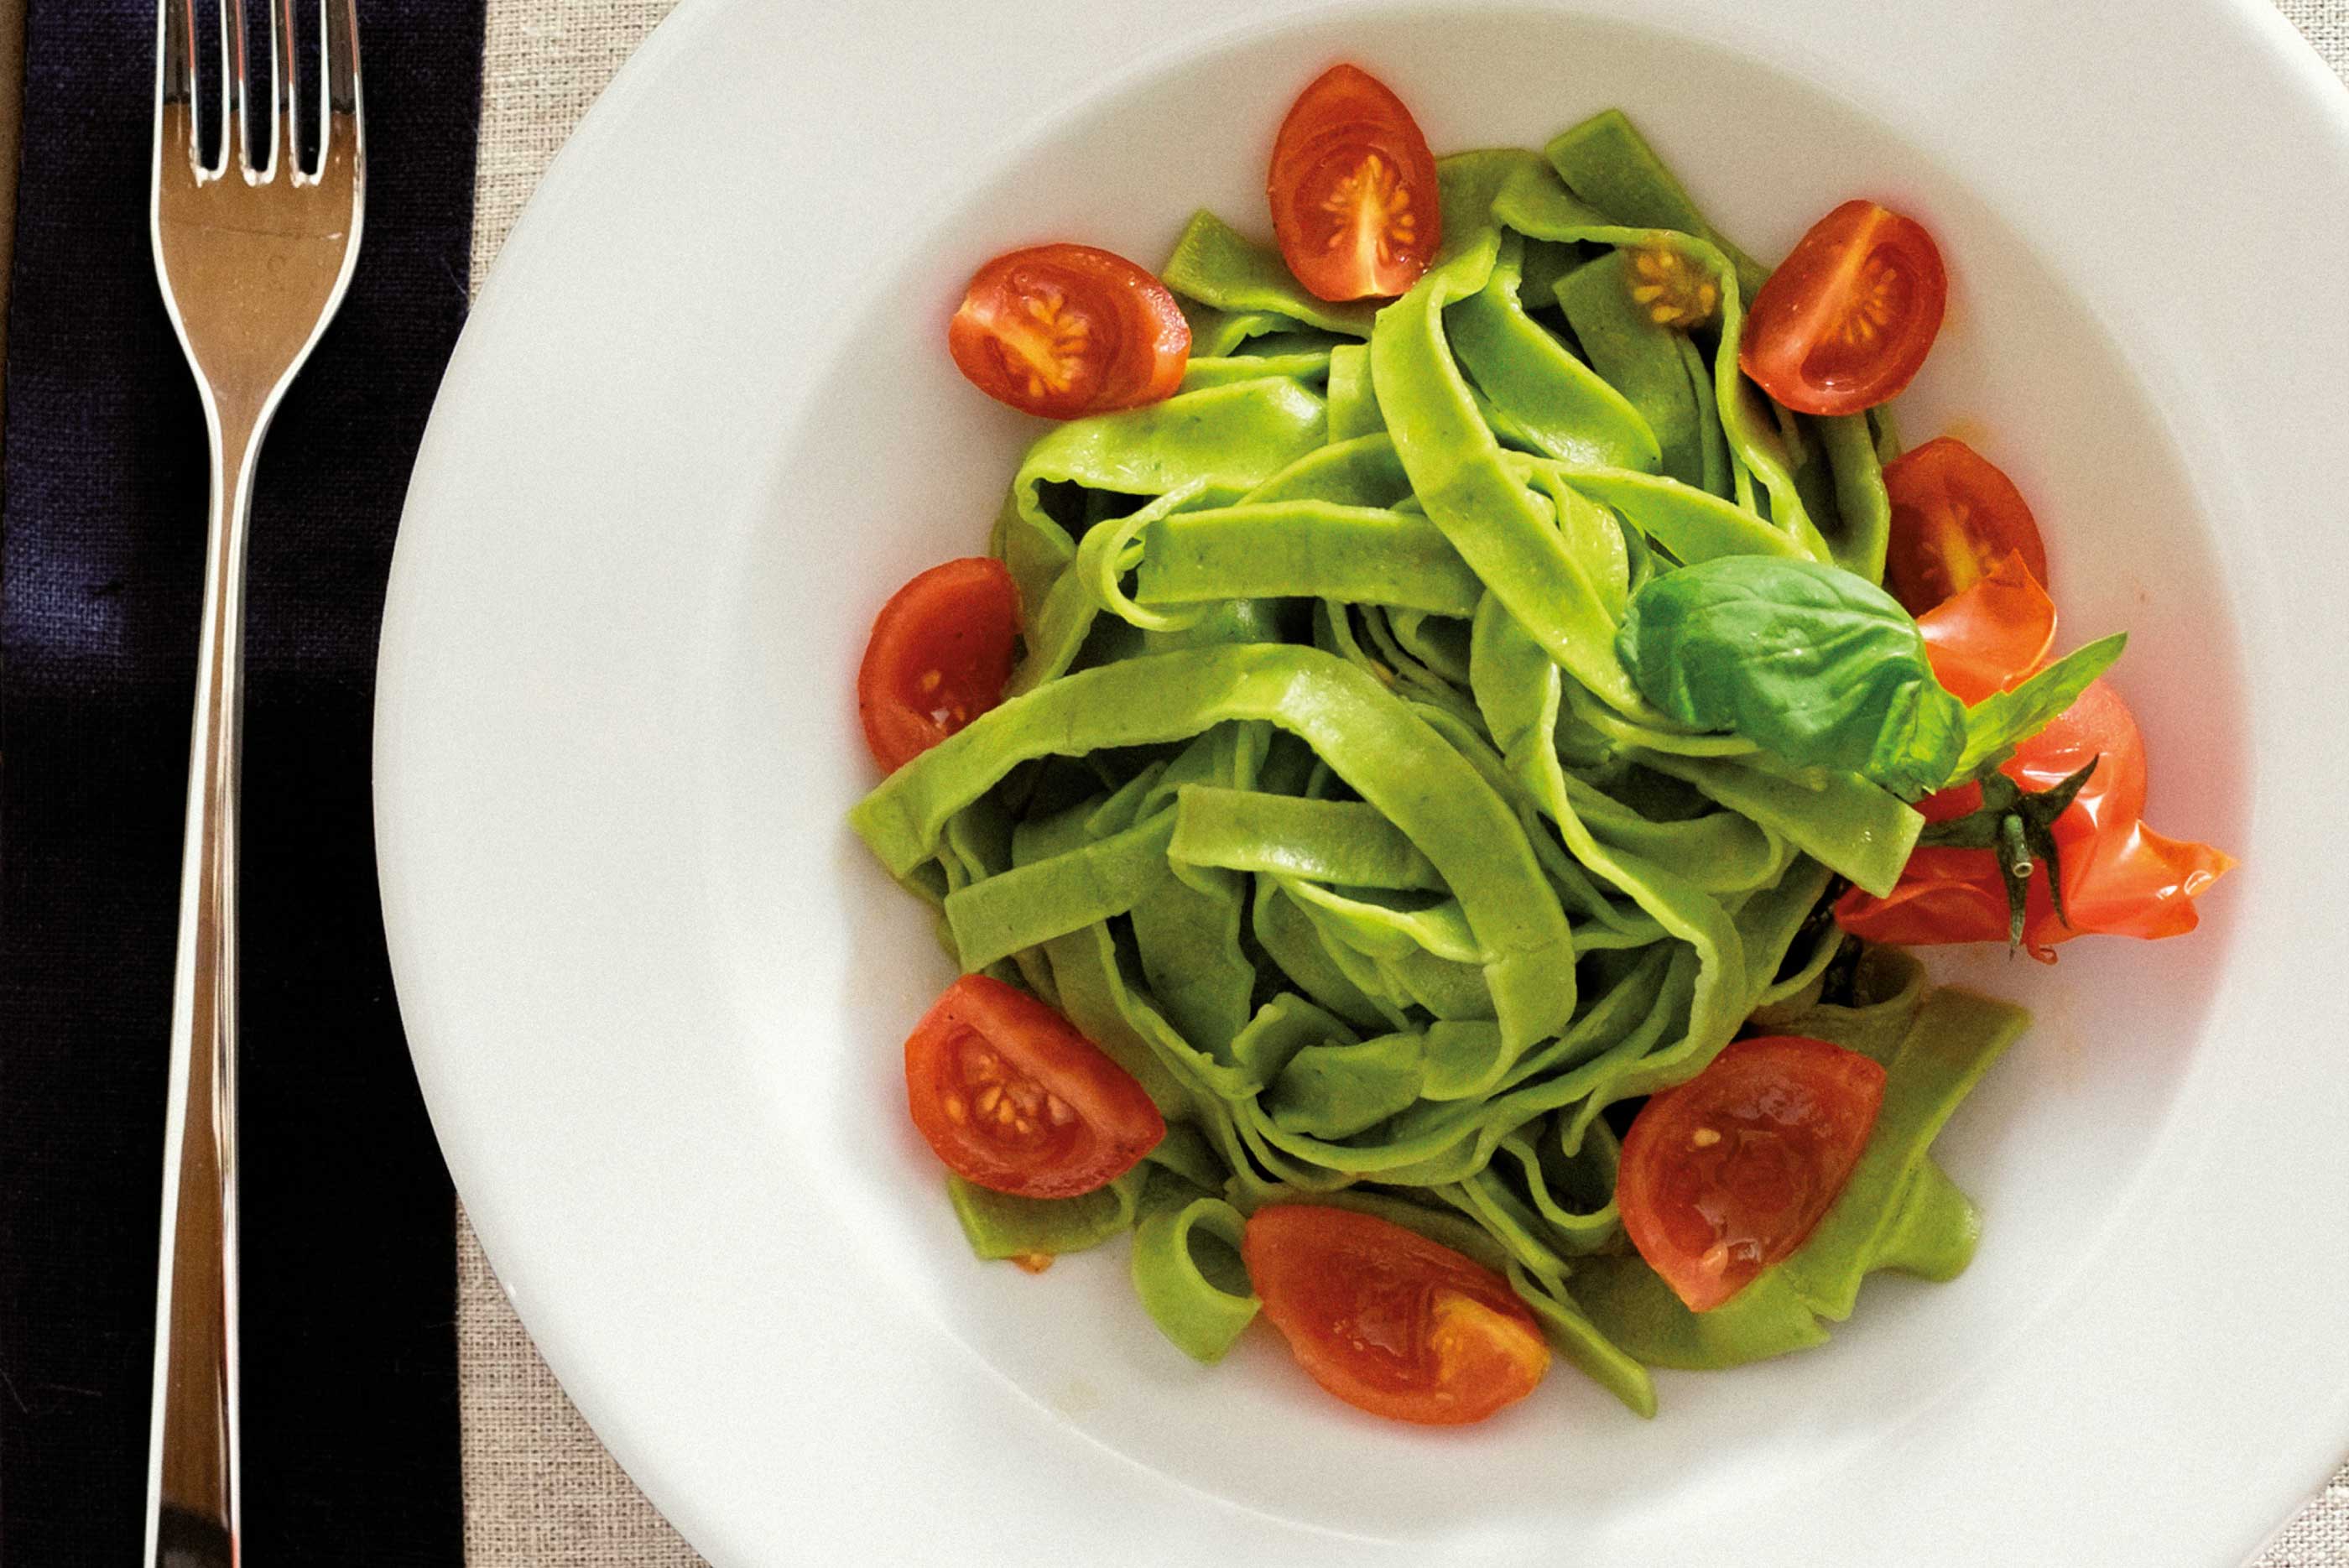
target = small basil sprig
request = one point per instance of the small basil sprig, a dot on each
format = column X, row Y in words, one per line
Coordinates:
column 2020, row 827
column 2003, row 720
column 1826, row 670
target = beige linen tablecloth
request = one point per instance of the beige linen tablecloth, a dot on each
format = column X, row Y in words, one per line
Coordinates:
column 539, row 1490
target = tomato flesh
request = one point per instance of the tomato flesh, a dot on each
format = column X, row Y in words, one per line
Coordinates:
column 1989, row 635
column 1846, row 319
column 1728, row 1173
column 1672, row 288
column 1955, row 515
column 2120, row 877
column 940, row 653
column 1013, row 1098
column 1389, row 1320
column 1061, row 330
column 1353, row 191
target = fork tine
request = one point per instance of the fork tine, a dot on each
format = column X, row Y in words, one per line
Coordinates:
column 338, row 84
column 175, row 75
column 235, row 69
column 224, row 118
column 285, row 122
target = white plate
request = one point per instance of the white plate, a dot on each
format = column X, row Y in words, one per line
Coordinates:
column 702, row 422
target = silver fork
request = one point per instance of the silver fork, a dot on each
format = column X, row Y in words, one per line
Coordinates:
column 252, row 260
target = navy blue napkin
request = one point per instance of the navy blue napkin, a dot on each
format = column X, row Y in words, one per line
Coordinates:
column 349, row 1388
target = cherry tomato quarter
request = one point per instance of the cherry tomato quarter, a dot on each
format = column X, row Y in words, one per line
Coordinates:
column 1062, row 330
column 1352, row 186
column 1846, row 319
column 1013, row 1098
column 1728, row 1173
column 1955, row 515
column 940, row 653
column 1389, row 1320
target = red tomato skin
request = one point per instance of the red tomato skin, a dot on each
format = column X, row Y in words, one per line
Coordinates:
column 1955, row 515
column 1795, row 343
column 1104, row 333
column 1992, row 634
column 1778, row 1117
column 1389, row 1320
column 1091, row 1121
column 1344, row 118
column 958, row 621
column 2120, row 877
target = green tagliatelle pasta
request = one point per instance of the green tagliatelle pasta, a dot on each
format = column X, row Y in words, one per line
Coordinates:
column 1321, row 798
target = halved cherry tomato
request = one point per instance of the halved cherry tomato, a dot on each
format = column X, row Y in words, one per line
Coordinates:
column 1846, row 320
column 1728, row 1173
column 2120, row 877
column 1064, row 330
column 1989, row 635
column 1013, row 1098
column 1354, row 202
column 1389, row 1320
column 940, row 651
column 1954, row 515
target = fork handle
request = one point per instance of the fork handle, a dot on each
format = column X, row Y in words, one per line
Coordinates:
column 192, row 1473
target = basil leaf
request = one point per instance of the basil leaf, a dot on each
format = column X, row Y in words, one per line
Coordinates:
column 1924, row 732
column 1807, row 660
column 1997, row 723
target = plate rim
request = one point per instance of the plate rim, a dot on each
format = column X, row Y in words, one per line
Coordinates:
column 570, row 177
